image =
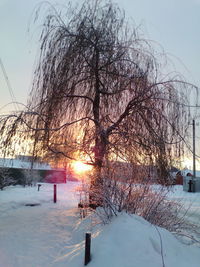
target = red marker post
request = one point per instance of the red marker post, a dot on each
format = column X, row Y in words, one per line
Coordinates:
column 54, row 193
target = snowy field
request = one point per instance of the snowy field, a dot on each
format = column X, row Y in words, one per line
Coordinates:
column 191, row 202
column 52, row 234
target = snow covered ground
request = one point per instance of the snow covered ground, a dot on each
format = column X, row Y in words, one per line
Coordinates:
column 52, row 234
column 190, row 201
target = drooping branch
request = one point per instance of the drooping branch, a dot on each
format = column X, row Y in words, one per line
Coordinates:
column 99, row 91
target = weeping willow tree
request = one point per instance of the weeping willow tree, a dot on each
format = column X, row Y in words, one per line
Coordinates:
column 99, row 93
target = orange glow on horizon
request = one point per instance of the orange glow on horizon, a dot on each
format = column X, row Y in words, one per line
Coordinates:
column 80, row 167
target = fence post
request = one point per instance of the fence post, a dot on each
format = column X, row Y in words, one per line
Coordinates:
column 87, row 248
column 54, row 193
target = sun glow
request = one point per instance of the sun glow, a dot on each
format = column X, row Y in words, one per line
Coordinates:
column 80, row 167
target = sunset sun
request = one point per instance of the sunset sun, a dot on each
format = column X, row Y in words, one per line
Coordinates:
column 80, row 167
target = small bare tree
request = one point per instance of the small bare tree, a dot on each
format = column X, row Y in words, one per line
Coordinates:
column 5, row 178
column 28, row 177
column 31, row 176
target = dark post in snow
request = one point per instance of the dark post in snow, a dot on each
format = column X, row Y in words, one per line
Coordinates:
column 54, row 193
column 194, row 163
column 190, row 189
column 39, row 187
column 87, row 248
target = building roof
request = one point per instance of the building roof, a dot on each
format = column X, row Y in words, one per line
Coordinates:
column 23, row 164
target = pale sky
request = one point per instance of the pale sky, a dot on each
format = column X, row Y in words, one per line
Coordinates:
column 174, row 24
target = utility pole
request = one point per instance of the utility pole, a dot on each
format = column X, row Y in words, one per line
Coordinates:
column 194, row 163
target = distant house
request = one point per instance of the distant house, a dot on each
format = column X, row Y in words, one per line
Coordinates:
column 22, row 166
column 184, row 173
column 179, row 178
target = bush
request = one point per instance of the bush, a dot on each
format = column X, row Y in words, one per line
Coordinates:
column 5, row 178
column 134, row 197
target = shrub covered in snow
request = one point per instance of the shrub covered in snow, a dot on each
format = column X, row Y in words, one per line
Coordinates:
column 134, row 197
column 5, row 178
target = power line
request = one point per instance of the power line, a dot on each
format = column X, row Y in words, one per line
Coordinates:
column 9, row 86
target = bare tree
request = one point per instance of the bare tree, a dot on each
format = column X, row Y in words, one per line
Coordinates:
column 99, row 93
column 5, row 178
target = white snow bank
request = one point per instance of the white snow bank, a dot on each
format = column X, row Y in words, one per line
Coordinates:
column 131, row 241
column 190, row 202
column 36, row 236
column 52, row 234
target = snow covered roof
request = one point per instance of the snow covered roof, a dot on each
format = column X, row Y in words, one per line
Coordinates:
column 23, row 164
column 186, row 171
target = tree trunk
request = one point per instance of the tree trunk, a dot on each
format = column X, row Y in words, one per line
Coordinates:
column 96, row 187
